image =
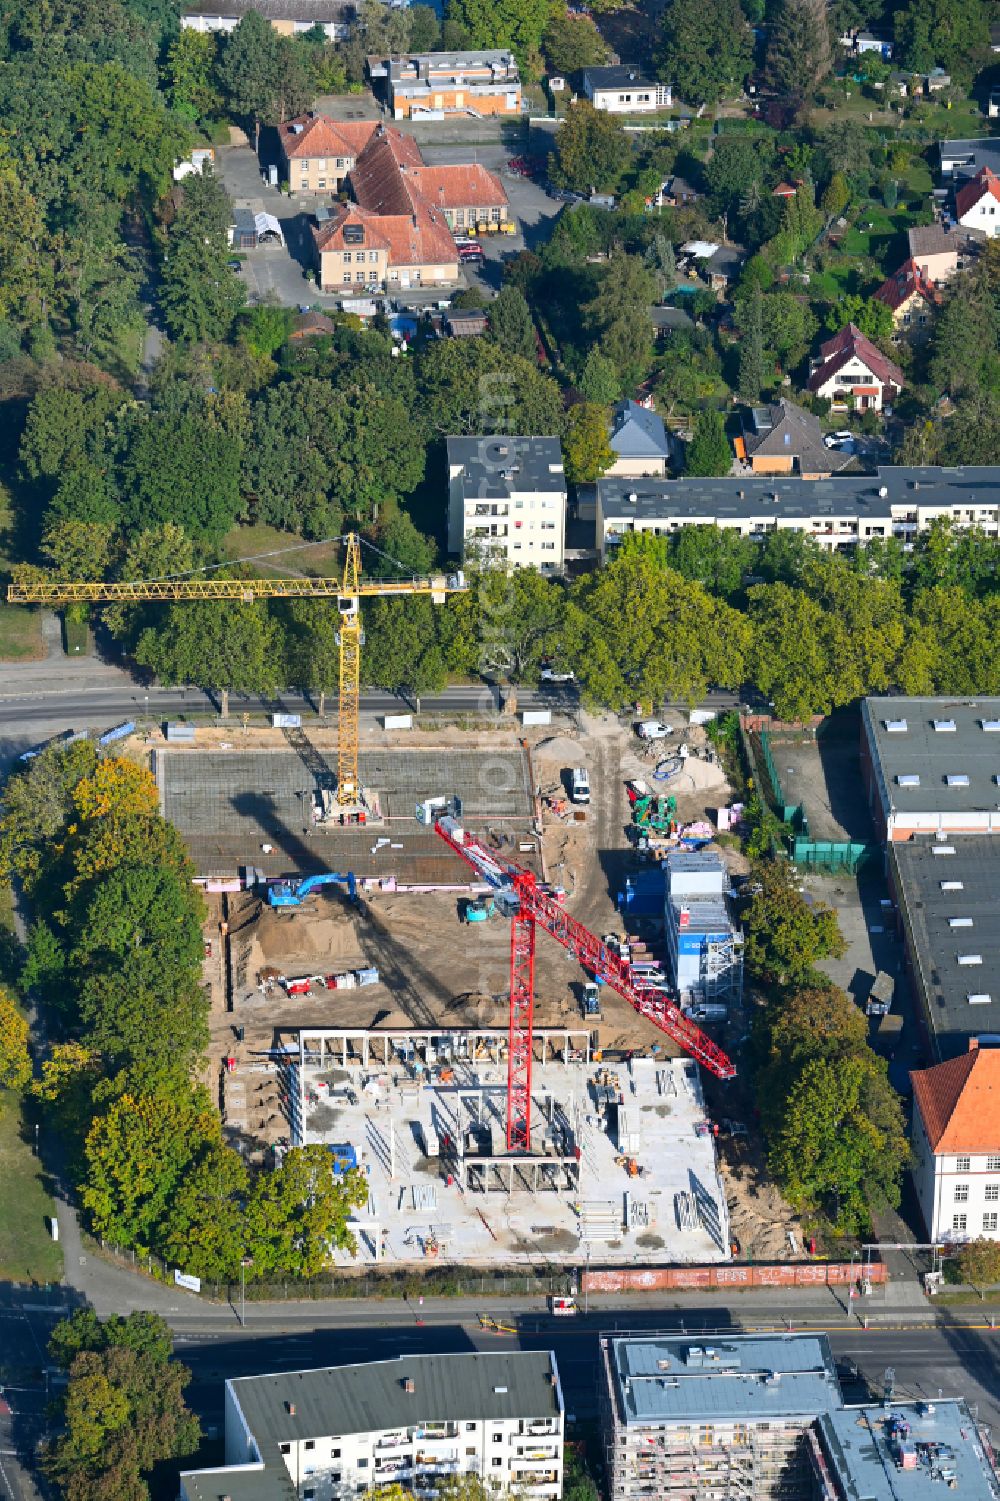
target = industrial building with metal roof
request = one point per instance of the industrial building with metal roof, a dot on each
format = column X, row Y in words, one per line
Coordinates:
column 932, row 765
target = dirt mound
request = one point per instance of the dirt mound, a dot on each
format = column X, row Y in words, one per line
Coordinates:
column 277, row 940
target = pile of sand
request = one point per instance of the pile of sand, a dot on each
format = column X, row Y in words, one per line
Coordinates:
column 278, row 941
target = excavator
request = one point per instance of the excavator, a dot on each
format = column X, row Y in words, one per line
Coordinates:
column 294, row 893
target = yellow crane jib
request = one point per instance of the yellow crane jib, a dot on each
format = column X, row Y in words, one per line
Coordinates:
column 347, row 591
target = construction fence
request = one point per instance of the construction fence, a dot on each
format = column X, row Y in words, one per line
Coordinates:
column 734, row 1277
column 808, row 852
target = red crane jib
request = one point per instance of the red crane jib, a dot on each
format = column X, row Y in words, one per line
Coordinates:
column 540, row 908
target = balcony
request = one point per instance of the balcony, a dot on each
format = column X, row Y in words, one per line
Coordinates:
column 434, row 1432
column 393, row 1441
column 538, row 1426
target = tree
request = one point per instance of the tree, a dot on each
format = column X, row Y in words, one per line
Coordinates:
column 618, row 317
column 798, row 52
column 786, row 936
column 517, row 24
column 842, row 1143
column 142, row 1332
column 571, row 43
column 797, row 1026
column 203, row 1230
column 199, row 296
column 262, row 74
column 24, row 249
column 600, row 382
column 37, row 801
column 978, row 1262
column 116, row 786
column 267, row 328
column 966, row 331
column 951, row 34
column 122, row 1413
column 836, row 196
column 503, row 626
column 403, row 653
column 753, row 365
column 662, row 262
column 191, row 66
column 709, row 452
column 181, row 471
column 706, row 51
column 297, row 1215
column 511, row 325
column 592, row 150
column 231, row 647
column 425, row 28
column 15, row 1059
column 586, row 449
column 716, row 557
column 870, row 316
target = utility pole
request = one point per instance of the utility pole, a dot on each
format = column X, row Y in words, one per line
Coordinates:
column 245, row 1261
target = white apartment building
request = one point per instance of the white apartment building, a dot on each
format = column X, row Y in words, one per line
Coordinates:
column 334, row 1433
column 838, row 512
column 956, row 1144
column 507, row 501
column 624, row 90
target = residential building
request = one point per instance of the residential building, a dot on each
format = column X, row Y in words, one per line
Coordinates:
column 624, row 90
column 911, row 299
column 931, row 766
column 838, row 512
column 763, row 1416
column 860, row 42
column 704, row 945
column 288, row 17
column 469, row 323
column 334, row 1433
column 939, row 253
column 311, row 325
column 670, row 320
column 507, row 500
column 398, row 231
column 435, row 84
column 677, row 192
column 945, row 896
column 956, row 1145
column 782, row 438
column 977, row 203
column 638, row 440
column 851, row 371
column 964, row 159
column 318, row 153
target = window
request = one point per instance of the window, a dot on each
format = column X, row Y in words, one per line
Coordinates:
column 470, row 1427
column 321, row 183
column 990, row 1220
column 334, row 1453
column 341, row 162
column 362, row 1464
column 308, row 1494
column 497, row 1437
column 470, row 1449
column 959, row 1221
column 993, row 1164
column 348, row 278
column 285, row 1448
column 497, row 1463
column 961, row 1193
column 335, row 1477
column 372, row 257
column 347, row 257
column 991, row 1193
column 963, row 1164
column 304, row 165
column 310, row 1443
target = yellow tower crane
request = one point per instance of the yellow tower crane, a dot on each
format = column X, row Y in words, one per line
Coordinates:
column 348, row 591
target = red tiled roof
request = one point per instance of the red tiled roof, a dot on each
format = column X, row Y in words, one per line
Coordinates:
column 784, row 190
column 985, row 183
column 321, row 136
column 381, row 176
column 907, row 282
column 461, row 186
column 849, row 343
column 959, row 1102
column 330, row 236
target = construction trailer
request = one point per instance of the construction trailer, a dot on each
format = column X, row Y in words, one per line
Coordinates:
column 704, row 945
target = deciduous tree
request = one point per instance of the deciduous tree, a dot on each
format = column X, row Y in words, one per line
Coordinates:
column 705, row 51
column 709, row 452
column 586, row 450
column 571, row 43
column 798, row 52
column 233, row 648
column 979, row 1263
column 786, row 936
column 15, row 1059
column 297, row 1215
column 592, row 150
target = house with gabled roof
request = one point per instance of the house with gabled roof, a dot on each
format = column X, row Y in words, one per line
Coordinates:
column 956, row 1145
column 911, row 298
column 851, row 370
column 977, row 203
column 639, row 441
column 318, row 153
column 782, row 438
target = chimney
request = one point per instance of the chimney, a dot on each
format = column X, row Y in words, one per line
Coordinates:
column 973, row 1044
column 290, row 1409
column 409, row 1385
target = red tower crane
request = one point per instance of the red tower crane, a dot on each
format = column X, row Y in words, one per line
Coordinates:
column 520, row 897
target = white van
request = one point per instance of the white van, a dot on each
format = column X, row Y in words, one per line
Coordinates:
column 709, row 1011
column 579, row 785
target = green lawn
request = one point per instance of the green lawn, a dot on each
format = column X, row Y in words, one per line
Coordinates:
column 27, row 1251
column 20, row 634
column 315, row 559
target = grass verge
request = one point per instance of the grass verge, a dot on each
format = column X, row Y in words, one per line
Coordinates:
column 27, row 1251
column 20, row 634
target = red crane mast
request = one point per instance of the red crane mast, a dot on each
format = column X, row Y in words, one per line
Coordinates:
column 528, row 906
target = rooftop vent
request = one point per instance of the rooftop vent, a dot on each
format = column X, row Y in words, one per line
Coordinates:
column 969, row 958
column 895, row 726
column 499, row 1391
column 979, row 998
column 409, row 1385
column 944, row 726
column 908, row 779
column 943, row 849
column 960, row 922
column 290, row 1409
column 952, row 886
column 883, row 491
column 632, row 497
column 957, row 779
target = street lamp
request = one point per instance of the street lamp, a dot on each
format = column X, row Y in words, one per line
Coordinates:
column 244, row 1263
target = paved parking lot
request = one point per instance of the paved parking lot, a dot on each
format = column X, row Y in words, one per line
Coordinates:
column 279, row 271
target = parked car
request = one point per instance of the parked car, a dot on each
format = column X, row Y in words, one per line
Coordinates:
column 653, row 729
column 834, row 440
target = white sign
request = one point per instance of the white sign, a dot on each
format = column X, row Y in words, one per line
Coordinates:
column 193, row 1284
column 286, row 721
column 397, row 722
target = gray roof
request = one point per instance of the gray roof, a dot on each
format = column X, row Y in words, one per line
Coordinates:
column 624, row 76
column 659, row 1380
column 933, row 754
column 671, row 319
column 735, row 497
column 726, row 261
column 783, row 430
column 935, row 946
column 861, row 1448
column 239, row 1483
column 500, row 465
column 315, row 12
column 935, row 239
column 963, row 159
column 637, row 433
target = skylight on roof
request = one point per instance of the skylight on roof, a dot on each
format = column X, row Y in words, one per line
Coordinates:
column 970, row 958
column 957, row 779
column 978, row 997
column 991, row 726
column 943, row 849
column 908, row 779
column 960, row 922
column 944, row 726
column 895, row 726
column 952, row 885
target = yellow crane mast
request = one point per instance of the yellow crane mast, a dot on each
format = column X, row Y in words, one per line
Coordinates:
column 348, row 591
